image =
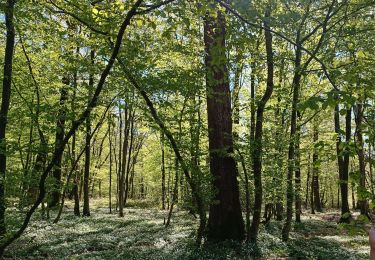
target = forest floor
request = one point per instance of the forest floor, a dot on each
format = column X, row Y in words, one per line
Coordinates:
column 142, row 235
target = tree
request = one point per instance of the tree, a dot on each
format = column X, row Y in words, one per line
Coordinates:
column 5, row 101
column 343, row 156
column 316, row 168
column 92, row 104
column 60, row 129
column 257, row 149
column 225, row 219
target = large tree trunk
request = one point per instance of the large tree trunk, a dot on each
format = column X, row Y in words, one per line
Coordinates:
column 258, row 146
column 5, row 101
column 225, row 218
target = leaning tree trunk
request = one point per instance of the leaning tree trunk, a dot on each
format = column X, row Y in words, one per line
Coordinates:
column 5, row 102
column 225, row 217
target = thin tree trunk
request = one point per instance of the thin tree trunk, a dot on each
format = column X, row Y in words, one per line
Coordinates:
column 316, row 169
column 312, row 191
column 343, row 162
column 362, row 200
column 236, row 89
column 247, row 196
column 119, row 158
column 297, row 172
column 291, row 150
column 258, row 145
column 123, row 161
column 279, row 115
column 162, row 172
column 76, row 171
column 371, row 160
column 353, row 197
column 130, row 154
column 110, row 163
column 174, row 196
column 86, row 176
column 307, row 181
column 60, row 129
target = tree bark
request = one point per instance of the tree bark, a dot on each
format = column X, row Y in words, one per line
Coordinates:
column 308, row 181
column 110, row 163
column 362, row 200
column 316, row 169
column 297, row 172
column 130, row 154
column 5, row 102
column 162, row 172
column 247, row 196
column 291, row 150
column 127, row 113
column 76, row 176
column 86, row 175
column 343, row 161
column 225, row 218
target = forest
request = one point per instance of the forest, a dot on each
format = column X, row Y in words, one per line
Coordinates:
column 184, row 129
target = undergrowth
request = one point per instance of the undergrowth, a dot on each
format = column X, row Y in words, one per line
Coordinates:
column 142, row 235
